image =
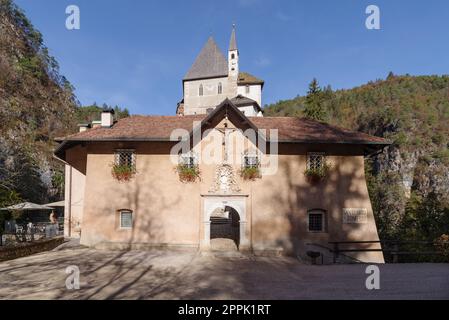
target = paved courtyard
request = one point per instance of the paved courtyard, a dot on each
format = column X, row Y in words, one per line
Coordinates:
column 190, row 275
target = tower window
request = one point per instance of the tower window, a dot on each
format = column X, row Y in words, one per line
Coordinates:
column 200, row 90
column 232, row 56
column 220, row 88
column 247, row 89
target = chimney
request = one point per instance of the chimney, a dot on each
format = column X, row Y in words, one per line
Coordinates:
column 107, row 118
column 84, row 127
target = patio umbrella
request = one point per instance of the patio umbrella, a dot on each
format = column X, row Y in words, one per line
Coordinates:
column 55, row 204
column 27, row 206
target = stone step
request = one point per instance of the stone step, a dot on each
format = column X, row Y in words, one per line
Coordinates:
column 221, row 244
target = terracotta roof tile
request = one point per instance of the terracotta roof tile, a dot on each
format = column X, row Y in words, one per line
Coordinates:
column 246, row 78
column 160, row 128
column 305, row 130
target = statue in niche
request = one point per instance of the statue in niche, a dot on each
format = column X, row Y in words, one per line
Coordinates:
column 224, row 181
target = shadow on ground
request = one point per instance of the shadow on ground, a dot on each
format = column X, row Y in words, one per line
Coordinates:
column 190, row 275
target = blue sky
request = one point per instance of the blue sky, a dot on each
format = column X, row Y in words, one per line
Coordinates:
column 135, row 53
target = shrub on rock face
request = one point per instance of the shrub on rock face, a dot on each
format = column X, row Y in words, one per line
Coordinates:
column 123, row 173
column 188, row 173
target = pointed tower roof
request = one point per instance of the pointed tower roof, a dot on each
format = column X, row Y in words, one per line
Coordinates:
column 233, row 42
column 210, row 63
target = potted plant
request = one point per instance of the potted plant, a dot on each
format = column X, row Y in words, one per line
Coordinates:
column 250, row 173
column 123, row 173
column 316, row 175
column 188, row 173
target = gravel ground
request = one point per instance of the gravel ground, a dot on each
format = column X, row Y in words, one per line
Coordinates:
column 191, row 275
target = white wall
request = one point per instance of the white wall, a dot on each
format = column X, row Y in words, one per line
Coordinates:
column 196, row 104
column 74, row 201
column 255, row 92
column 249, row 111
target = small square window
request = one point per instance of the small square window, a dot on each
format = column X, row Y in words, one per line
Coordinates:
column 250, row 161
column 316, row 221
column 126, row 219
column 188, row 160
column 125, row 158
column 315, row 160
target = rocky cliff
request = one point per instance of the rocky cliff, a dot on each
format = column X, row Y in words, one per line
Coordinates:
column 413, row 113
column 36, row 105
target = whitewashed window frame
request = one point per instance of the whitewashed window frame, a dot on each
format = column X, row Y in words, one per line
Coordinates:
column 126, row 227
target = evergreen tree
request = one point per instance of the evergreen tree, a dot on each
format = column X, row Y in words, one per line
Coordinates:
column 313, row 106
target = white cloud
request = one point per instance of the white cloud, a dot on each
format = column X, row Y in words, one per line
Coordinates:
column 262, row 62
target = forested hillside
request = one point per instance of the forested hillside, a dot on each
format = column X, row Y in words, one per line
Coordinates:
column 37, row 104
column 409, row 181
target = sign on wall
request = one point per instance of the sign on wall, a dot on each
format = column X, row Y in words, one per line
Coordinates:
column 355, row 215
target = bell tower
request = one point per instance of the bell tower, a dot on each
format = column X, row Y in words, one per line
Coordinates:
column 233, row 56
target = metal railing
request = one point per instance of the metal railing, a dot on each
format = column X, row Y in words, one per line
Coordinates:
column 24, row 233
column 395, row 248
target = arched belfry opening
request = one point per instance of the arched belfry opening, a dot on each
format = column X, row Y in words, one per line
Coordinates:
column 225, row 224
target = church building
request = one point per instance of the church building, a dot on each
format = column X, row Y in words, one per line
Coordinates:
column 219, row 175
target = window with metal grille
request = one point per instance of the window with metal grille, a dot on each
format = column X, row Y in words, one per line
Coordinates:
column 125, row 157
column 126, row 219
column 315, row 160
column 188, row 159
column 250, row 161
column 317, row 221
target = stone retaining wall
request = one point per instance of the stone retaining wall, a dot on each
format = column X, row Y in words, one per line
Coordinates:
column 22, row 250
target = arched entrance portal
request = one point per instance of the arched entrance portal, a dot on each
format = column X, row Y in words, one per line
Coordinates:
column 225, row 224
column 224, row 217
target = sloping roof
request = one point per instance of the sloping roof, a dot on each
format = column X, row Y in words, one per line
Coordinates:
column 159, row 128
column 246, row 78
column 209, row 63
column 241, row 101
column 293, row 129
column 138, row 128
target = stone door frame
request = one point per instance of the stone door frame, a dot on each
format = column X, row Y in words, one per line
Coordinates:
column 210, row 202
